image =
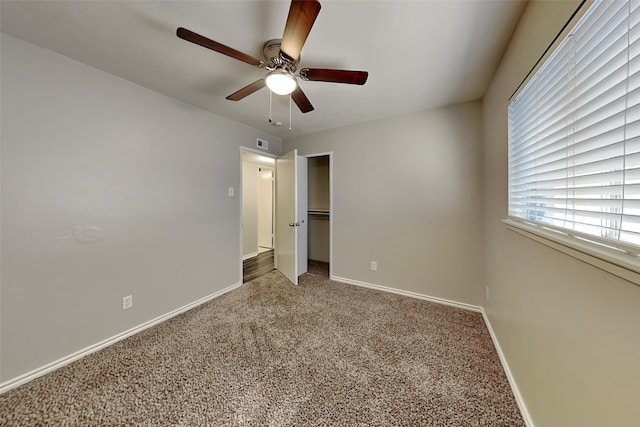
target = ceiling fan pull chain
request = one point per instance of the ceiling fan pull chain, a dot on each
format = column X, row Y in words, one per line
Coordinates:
column 289, row 112
column 270, row 118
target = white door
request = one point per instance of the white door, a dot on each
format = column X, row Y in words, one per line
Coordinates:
column 290, row 217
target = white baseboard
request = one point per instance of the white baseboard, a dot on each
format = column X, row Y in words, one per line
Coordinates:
column 410, row 294
column 251, row 255
column 38, row 372
column 512, row 382
column 505, row 366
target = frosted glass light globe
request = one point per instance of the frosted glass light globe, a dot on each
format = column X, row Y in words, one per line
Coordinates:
column 280, row 82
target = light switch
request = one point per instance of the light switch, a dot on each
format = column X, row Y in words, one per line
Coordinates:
column 231, row 192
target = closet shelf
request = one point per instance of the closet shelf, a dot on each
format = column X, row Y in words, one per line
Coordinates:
column 322, row 212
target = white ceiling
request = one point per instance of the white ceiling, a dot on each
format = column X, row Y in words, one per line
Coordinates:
column 419, row 54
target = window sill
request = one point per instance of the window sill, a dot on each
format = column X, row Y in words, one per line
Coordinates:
column 623, row 265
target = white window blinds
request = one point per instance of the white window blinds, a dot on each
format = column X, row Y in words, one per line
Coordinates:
column 574, row 132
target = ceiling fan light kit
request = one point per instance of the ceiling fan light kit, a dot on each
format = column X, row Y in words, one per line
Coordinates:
column 280, row 82
column 282, row 57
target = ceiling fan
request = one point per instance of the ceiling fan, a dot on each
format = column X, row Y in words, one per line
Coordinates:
column 282, row 57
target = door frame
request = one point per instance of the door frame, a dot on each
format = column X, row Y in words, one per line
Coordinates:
column 330, row 154
column 243, row 150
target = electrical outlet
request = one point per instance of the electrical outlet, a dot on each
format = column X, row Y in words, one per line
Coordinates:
column 127, row 302
column 374, row 266
column 486, row 292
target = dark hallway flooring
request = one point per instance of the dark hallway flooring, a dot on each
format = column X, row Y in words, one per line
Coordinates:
column 257, row 266
column 264, row 263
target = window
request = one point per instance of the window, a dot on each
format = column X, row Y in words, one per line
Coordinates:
column 574, row 134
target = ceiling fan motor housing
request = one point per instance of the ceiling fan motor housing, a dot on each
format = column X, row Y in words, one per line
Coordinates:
column 274, row 60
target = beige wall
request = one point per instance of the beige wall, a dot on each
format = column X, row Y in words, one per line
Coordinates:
column 407, row 194
column 318, row 238
column 108, row 189
column 568, row 330
column 318, row 183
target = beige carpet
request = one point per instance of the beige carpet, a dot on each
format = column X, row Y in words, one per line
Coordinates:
column 268, row 353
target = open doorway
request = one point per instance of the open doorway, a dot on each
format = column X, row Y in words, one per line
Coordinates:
column 258, row 172
column 319, row 214
column 266, row 178
column 299, row 239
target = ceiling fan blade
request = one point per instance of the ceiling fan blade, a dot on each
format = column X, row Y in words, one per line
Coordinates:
column 247, row 90
column 192, row 37
column 302, row 15
column 301, row 100
column 334, row 76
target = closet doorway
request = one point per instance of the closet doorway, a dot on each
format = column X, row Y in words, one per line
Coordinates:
column 319, row 186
